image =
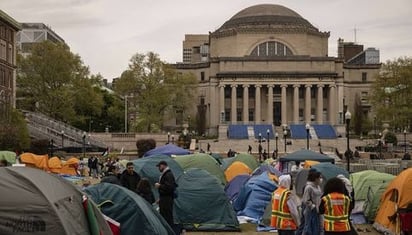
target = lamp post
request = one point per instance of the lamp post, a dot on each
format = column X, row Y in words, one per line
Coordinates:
column 168, row 137
column 51, row 147
column 404, row 139
column 62, row 133
column 380, row 145
column 285, row 134
column 374, row 126
column 276, row 138
column 84, row 144
column 307, row 126
column 348, row 116
column 173, row 139
column 125, row 114
column 268, row 134
column 260, row 138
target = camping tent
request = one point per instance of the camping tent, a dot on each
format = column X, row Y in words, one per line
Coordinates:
column 202, row 161
column 168, row 150
column 398, row 195
column 202, row 204
column 233, row 187
column 254, row 197
column 248, row 159
column 36, row 161
column 303, row 155
column 63, row 167
column 9, row 156
column 35, row 202
column 367, row 180
column 134, row 214
column 236, row 168
column 267, row 168
column 328, row 171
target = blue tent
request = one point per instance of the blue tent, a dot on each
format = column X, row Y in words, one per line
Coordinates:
column 168, row 149
column 135, row 215
column 254, row 197
column 267, row 168
column 233, row 187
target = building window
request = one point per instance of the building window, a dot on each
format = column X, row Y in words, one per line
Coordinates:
column 228, row 91
column 251, row 115
column 239, row 115
column 364, row 77
column 239, row 92
column 202, row 76
column 271, row 48
column 301, row 92
column 3, row 50
column 227, row 115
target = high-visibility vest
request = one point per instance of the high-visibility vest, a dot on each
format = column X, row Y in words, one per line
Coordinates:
column 336, row 217
column 281, row 217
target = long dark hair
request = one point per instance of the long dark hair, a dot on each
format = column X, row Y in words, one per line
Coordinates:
column 144, row 186
column 334, row 185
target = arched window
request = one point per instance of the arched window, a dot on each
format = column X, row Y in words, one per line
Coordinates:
column 271, row 48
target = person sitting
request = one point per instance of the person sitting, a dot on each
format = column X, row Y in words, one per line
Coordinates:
column 145, row 191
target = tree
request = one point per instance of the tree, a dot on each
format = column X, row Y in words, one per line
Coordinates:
column 14, row 135
column 154, row 91
column 54, row 81
column 358, row 116
column 392, row 93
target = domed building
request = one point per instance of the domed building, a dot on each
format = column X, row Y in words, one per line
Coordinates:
column 268, row 66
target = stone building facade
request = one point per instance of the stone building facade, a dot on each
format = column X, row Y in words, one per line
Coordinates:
column 269, row 65
column 8, row 29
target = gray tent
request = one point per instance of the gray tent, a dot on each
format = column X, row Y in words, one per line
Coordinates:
column 37, row 203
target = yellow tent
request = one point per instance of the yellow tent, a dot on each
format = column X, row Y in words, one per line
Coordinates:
column 70, row 166
column 55, row 165
column 36, row 161
column 397, row 195
column 235, row 169
column 309, row 164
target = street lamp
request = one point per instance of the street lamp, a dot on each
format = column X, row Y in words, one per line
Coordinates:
column 268, row 133
column 285, row 134
column 168, row 137
column 260, row 137
column 348, row 116
column 380, row 145
column 84, row 144
column 276, row 138
column 62, row 133
column 404, row 139
column 307, row 126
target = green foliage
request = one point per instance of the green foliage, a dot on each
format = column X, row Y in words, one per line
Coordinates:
column 14, row 134
column 392, row 93
column 154, row 91
column 390, row 137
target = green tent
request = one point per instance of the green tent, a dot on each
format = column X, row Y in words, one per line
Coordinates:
column 9, row 156
column 202, row 204
column 370, row 208
column 248, row 159
column 364, row 181
column 202, row 161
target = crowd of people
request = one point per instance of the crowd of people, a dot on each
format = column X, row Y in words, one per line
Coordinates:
column 324, row 212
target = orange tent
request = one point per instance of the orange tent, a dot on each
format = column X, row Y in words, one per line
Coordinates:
column 397, row 195
column 69, row 167
column 36, row 161
column 308, row 164
column 55, row 165
column 235, row 169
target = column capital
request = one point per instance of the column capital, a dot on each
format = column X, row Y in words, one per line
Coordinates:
column 271, row 85
column 320, row 85
column 308, row 85
column 258, row 85
column 283, row 85
column 296, row 85
column 222, row 85
column 332, row 85
column 233, row 85
column 246, row 85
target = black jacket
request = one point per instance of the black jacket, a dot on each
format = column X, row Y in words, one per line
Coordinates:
column 130, row 181
column 167, row 184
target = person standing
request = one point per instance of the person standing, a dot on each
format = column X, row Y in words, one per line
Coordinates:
column 129, row 177
column 111, row 176
column 260, row 149
column 285, row 216
column 334, row 207
column 92, row 164
column 166, row 186
column 310, row 222
column 249, row 150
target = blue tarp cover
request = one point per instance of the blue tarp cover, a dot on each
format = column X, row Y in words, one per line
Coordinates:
column 233, row 187
column 168, row 149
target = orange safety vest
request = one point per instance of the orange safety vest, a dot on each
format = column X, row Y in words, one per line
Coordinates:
column 281, row 217
column 336, row 217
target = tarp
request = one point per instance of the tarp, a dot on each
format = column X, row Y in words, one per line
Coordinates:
column 254, row 197
column 398, row 194
column 303, row 155
column 168, row 150
column 202, row 204
column 233, row 187
column 236, row 168
column 33, row 160
column 134, row 214
column 37, row 203
column 202, row 161
column 9, row 156
column 248, row 159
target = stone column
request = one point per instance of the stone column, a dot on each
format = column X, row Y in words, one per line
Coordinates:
column 233, row 108
column 319, row 105
column 245, row 104
column 270, row 104
column 332, row 104
column 296, row 103
column 257, row 104
column 308, row 104
column 221, row 101
column 284, row 105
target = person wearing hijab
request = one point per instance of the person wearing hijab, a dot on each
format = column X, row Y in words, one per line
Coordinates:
column 285, row 216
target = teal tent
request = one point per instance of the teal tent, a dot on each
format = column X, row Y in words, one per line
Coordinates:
column 135, row 215
column 202, row 161
column 303, row 155
column 202, row 204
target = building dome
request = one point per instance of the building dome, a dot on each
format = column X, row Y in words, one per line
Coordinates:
column 267, row 16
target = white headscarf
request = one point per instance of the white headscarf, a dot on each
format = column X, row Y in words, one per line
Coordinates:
column 346, row 181
column 285, row 181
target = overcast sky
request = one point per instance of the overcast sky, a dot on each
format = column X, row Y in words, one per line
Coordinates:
column 106, row 33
